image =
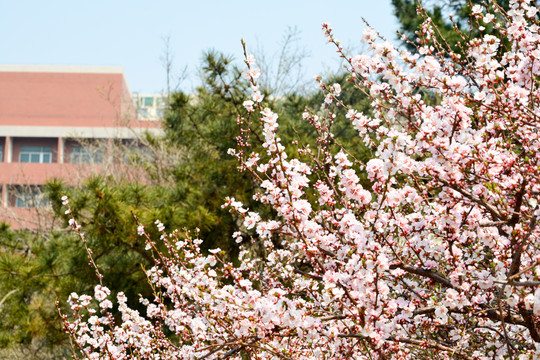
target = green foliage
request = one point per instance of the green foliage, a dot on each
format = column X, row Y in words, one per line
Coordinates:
column 33, row 267
column 183, row 182
column 204, row 125
column 448, row 16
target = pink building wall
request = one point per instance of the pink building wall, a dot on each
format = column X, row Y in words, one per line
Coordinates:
column 38, row 107
column 56, row 99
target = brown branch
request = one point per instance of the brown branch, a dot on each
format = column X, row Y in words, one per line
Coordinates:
column 516, row 256
column 423, row 344
column 425, row 273
column 490, row 313
column 490, row 208
column 520, row 283
column 530, row 322
column 312, row 276
column 519, row 201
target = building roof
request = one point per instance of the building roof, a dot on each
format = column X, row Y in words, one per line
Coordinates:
column 63, row 69
column 65, row 96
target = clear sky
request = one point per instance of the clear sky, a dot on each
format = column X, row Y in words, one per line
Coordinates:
column 130, row 33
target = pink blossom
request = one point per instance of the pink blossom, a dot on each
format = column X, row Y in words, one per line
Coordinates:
column 411, row 253
column 248, row 104
column 488, row 18
column 101, row 292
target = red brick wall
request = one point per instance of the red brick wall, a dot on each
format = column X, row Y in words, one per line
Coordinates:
column 61, row 99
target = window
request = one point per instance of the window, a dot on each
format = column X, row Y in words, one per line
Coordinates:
column 148, row 101
column 1, row 153
column 160, row 113
column 83, row 155
column 143, row 113
column 30, row 197
column 133, row 154
column 35, row 154
column 160, row 102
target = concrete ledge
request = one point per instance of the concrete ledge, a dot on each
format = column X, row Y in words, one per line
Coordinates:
column 63, row 69
column 77, row 132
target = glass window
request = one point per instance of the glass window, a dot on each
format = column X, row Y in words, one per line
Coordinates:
column 83, row 155
column 148, row 101
column 136, row 154
column 30, row 197
column 161, row 101
column 143, row 113
column 160, row 113
column 35, row 154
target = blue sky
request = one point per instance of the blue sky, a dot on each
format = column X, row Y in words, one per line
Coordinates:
column 130, row 33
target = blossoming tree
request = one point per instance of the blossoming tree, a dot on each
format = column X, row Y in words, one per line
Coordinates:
column 438, row 258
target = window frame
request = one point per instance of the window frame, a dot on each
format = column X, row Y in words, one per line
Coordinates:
column 35, row 152
column 82, row 155
column 31, row 197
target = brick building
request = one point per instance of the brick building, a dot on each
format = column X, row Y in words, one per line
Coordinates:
column 49, row 117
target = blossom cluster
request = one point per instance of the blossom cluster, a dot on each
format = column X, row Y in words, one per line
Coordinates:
column 438, row 257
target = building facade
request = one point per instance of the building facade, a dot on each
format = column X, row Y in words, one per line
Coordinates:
column 60, row 121
column 149, row 106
